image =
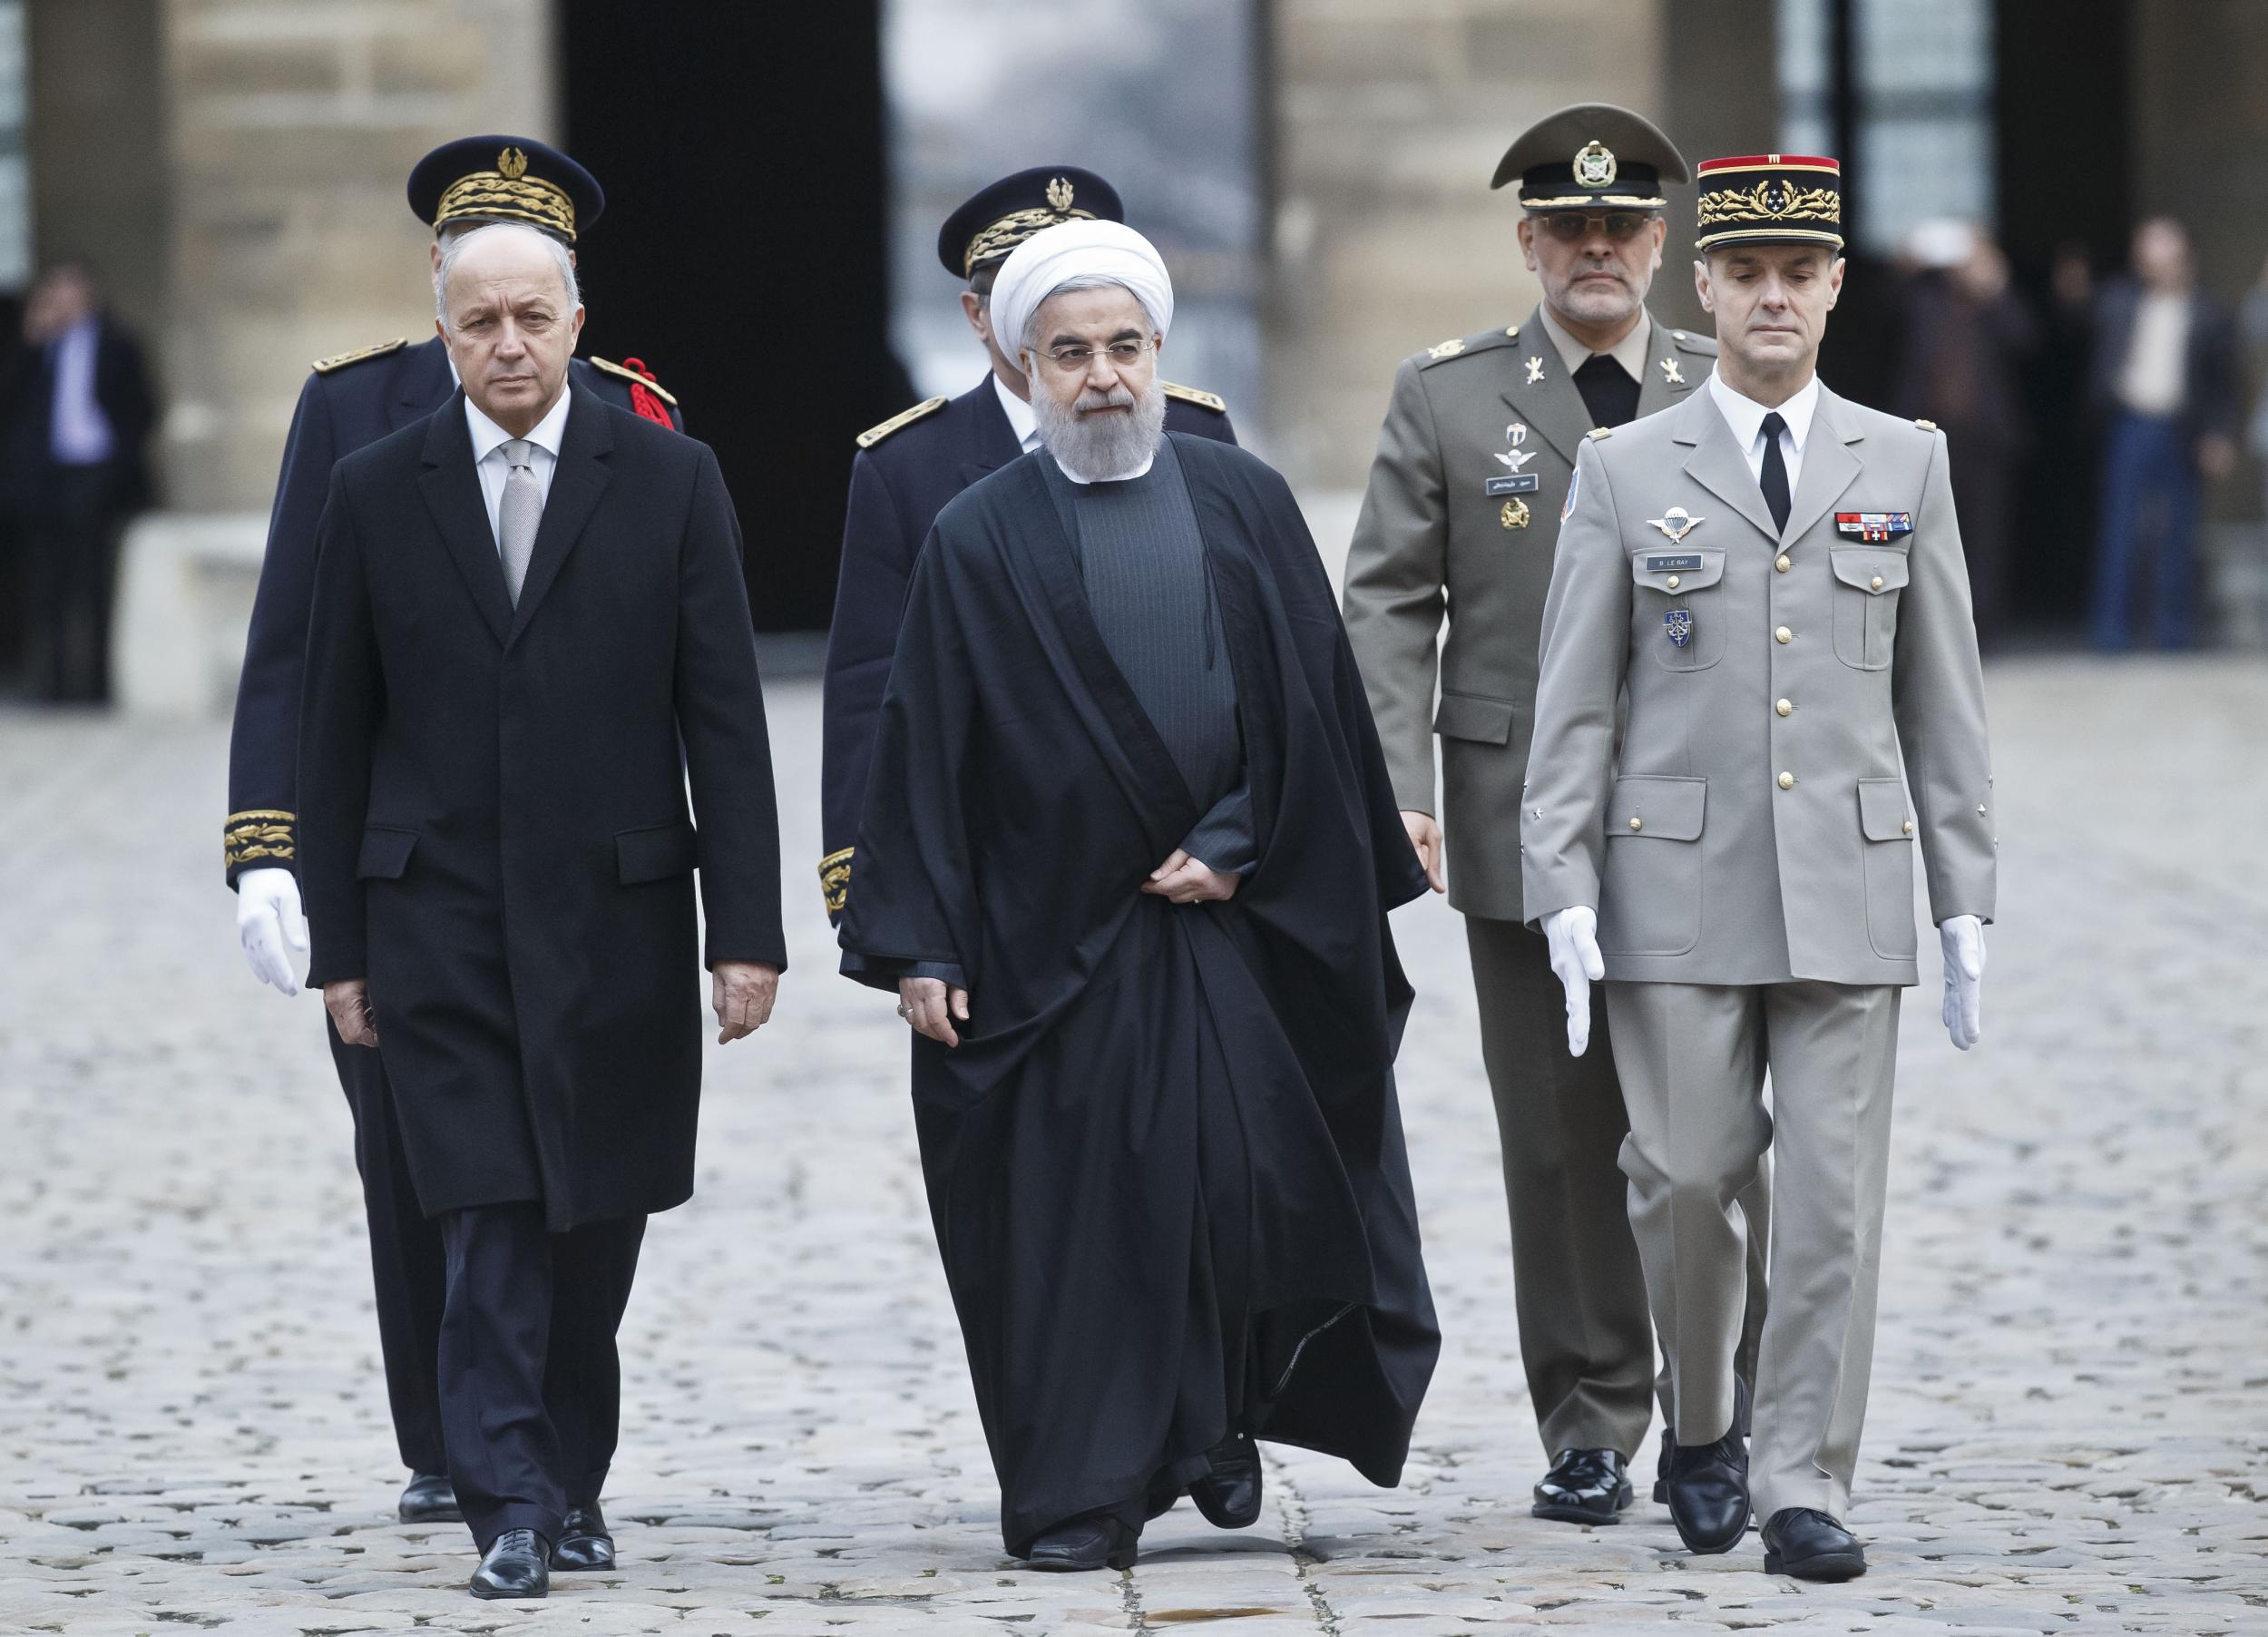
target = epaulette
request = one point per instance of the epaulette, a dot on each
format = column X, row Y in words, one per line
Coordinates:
column 1699, row 346
column 647, row 381
column 1925, row 426
column 1463, row 346
column 1191, row 395
column 325, row 366
column 902, row 420
column 1598, row 433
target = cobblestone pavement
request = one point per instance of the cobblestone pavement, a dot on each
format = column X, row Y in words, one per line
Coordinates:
column 2067, row 1433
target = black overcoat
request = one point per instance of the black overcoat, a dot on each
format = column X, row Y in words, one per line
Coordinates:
column 493, row 828
column 1018, row 799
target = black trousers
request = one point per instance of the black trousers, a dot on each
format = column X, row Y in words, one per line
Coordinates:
column 530, row 1383
column 70, row 571
column 409, row 1271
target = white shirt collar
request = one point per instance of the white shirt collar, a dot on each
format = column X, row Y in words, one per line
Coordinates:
column 488, row 436
column 1020, row 419
column 1745, row 416
column 1630, row 352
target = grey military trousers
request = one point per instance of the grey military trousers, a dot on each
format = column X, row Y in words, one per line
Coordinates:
column 1579, row 1289
column 1693, row 1059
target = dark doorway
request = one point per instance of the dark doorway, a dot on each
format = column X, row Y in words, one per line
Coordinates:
column 742, row 253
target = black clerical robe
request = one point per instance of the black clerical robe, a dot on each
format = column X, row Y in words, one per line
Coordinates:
column 1165, row 1163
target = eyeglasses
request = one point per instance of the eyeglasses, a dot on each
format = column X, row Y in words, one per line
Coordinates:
column 1078, row 361
column 1572, row 227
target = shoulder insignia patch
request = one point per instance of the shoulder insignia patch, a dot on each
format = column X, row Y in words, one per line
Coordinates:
column 1192, row 395
column 904, row 418
column 325, row 366
column 1596, row 433
column 635, row 375
column 1701, row 346
column 1447, row 349
column 1926, row 425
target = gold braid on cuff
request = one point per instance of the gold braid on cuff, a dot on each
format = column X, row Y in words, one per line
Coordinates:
column 255, row 834
column 834, row 880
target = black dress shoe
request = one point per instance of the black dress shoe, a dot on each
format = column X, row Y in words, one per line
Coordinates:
column 517, row 1566
column 1583, row 1486
column 584, row 1539
column 1097, row 1542
column 430, row 1498
column 1708, row 1493
column 1811, row 1545
column 1661, row 1470
column 1229, row 1495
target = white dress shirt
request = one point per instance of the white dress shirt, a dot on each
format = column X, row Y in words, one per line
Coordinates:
column 1021, row 420
column 488, row 456
column 1746, row 417
column 78, row 432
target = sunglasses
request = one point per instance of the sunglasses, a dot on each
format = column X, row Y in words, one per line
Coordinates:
column 1572, row 227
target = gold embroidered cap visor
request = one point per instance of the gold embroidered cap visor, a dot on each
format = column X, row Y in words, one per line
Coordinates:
column 997, row 218
column 505, row 178
column 1590, row 156
column 1770, row 199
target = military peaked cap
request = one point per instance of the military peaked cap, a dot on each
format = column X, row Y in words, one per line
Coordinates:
column 1590, row 156
column 505, row 179
column 1001, row 217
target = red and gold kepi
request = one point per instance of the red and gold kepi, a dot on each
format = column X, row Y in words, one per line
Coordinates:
column 1769, row 199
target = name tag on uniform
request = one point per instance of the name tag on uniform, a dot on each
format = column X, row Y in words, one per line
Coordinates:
column 1519, row 483
column 1674, row 565
column 1875, row 525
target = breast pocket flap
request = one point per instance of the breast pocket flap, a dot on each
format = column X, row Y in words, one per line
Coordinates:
column 1872, row 569
column 1882, row 812
column 1659, row 805
column 655, row 854
column 385, row 854
column 1676, row 570
column 1487, row 721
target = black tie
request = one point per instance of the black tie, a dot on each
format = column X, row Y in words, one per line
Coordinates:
column 1608, row 392
column 1773, row 477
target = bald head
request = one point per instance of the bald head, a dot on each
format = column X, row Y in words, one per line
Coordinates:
column 510, row 314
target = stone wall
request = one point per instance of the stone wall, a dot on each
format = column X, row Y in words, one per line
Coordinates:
column 249, row 158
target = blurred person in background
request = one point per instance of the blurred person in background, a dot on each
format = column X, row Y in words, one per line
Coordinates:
column 2164, row 386
column 2253, row 317
column 75, row 412
column 1963, row 339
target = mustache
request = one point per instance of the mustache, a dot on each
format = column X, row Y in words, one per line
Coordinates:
column 1118, row 397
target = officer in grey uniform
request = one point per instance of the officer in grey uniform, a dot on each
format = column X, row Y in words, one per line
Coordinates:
column 1759, row 694
column 1462, row 517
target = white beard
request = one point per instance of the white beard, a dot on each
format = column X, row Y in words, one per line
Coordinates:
column 1101, row 449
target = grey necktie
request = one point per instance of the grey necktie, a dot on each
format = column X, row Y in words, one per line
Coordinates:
column 517, row 517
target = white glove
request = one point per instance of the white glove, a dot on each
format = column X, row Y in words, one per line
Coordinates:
column 1573, row 936
column 1961, row 939
column 268, row 923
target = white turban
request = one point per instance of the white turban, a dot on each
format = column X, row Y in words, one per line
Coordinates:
column 1053, row 257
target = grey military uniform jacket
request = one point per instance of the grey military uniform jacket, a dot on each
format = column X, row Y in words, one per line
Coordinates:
column 1450, row 522
column 1752, row 825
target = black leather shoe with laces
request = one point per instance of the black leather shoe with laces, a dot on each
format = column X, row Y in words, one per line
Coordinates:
column 517, row 1564
column 1099, row 1542
column 1708, row 1493
column 1811, row 1545
column 429, row 1498
column 1584, row 1486
column 584, row 1539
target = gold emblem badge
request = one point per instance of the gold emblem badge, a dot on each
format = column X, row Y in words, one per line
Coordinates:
column 1671, row 374
column 512, row 164
column 1058, row 195
column 1675, row 523
column 1535, row 370
column 1595, row 166
column 1514, row 515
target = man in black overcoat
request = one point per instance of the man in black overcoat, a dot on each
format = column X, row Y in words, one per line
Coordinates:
column 912, row 464
column 523, row 606
column 349, row 401
column 1127, row 861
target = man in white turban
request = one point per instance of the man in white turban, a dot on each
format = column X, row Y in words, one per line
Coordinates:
column 1127, row 851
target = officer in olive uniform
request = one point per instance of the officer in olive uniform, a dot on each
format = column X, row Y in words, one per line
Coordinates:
column 349, row 401
column 1759, row 694
column 912, row 464
column 1462, row 517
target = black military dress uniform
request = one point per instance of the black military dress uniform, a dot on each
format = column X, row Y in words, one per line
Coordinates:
column 910, row 466
column 349, row 402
